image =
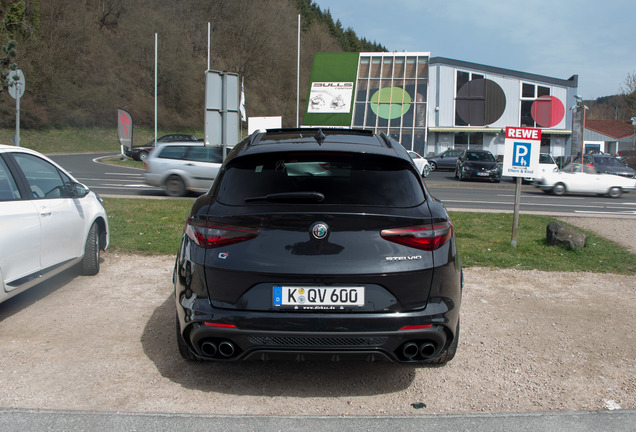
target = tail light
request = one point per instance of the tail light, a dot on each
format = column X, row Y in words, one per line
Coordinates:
column 425, row 237
column 209, row 235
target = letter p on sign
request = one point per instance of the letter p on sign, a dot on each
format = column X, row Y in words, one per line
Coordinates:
column 521, row 154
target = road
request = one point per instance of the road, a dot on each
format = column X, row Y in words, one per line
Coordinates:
column 108, row 180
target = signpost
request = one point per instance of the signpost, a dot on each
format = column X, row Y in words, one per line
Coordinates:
column 16, row 90
column 222, row 115
column 521, row 159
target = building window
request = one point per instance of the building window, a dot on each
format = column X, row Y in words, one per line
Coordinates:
column 545, row 144
column 462, row 79
column 465, row 141
column 478, row 101
column 391, row 96
column 529, row 94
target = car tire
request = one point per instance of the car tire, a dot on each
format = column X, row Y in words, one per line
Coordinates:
column 449, row 354
column 615, row 192
column 143, row 155
column 174, row 186
column 184, row 349
column 426, row 171
column 558, row 189
column 433, row 166
column 90, row 260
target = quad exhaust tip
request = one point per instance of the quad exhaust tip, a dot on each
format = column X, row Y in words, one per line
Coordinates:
column 209, row 348
column 225, row 348
column 411, row 350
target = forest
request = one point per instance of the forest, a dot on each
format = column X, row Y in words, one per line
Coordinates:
column 83, row 59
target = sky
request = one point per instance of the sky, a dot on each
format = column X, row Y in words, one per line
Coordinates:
column 594, row 39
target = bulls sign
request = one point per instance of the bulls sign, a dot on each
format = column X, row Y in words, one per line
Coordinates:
column 521, row 152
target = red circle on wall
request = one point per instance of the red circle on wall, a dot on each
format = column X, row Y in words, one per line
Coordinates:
column 547, row 111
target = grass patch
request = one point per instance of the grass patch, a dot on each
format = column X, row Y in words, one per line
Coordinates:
column 147, row 226
column 126, row 161
column 483, row 239
column 151, row 226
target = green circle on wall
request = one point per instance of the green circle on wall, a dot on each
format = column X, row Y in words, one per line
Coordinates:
column 390, row 102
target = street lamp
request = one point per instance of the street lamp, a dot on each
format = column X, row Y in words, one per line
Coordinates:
column 578, row 120
column 633, row 119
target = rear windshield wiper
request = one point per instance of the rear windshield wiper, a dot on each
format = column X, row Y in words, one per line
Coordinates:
column 290, row 197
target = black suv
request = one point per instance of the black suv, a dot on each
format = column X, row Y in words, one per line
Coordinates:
column 318, row 244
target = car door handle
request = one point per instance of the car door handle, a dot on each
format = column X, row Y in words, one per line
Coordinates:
column 45, row 211
column 189, row 164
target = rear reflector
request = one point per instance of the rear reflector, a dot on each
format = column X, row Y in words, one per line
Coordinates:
column 208, row 235
column 417, row 327
column 425, row 237
column 211, row 324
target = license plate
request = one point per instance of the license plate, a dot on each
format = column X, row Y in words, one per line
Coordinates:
column 482, row 174
column 308, row 297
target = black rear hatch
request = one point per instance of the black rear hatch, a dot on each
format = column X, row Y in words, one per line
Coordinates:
column 312, row 226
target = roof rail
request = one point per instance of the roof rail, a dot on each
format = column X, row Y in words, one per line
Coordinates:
column 253, row 136
column 388, row 141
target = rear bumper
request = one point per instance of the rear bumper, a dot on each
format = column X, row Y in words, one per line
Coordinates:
column 225, row 335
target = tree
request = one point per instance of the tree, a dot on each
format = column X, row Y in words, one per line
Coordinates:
column 628, row 92
column 9, row 52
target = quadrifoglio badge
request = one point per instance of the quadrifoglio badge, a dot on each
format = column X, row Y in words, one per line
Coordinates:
column 319, row 230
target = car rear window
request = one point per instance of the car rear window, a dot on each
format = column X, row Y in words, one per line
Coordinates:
column 353, row 179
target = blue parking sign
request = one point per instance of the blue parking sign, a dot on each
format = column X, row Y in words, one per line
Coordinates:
column 521, row 154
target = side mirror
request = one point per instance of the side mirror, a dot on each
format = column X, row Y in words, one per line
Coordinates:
column 75, row 190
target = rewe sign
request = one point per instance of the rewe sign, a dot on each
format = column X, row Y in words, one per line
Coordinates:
column 521, row 152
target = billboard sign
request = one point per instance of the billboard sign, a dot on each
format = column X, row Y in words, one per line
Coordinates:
column 330, row 97
column 521, row 152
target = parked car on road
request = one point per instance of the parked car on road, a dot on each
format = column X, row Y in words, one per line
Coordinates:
column 421, row 163
column 279, row 263
column 578, row 178
column 445, row 160
column 477, row 164
column 606, row 163
column 180, row 167
column 546, row 165
column 49, row 222
column 140, row 153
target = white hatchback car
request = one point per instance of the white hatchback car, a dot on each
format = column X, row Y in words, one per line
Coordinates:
column 179, row 167
column 421, row 163
column 48, row 221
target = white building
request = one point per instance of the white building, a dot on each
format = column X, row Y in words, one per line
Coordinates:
column 433, row 104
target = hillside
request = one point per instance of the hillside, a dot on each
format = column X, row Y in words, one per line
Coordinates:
column 83, row 59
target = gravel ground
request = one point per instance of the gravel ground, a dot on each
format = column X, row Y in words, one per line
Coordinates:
column 531, row 341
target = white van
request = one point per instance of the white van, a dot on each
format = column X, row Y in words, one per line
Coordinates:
column 546, row 165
